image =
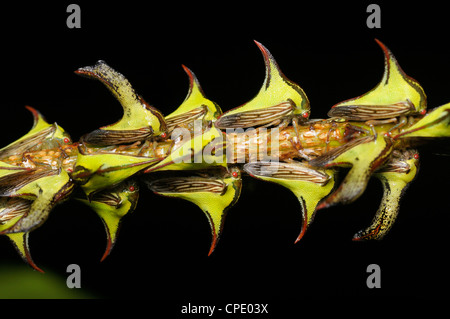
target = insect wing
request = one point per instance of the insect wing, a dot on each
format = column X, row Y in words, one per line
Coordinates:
column 256, row 117
column 371, row 112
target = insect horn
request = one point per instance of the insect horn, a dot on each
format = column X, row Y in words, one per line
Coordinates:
column 214, row 195
column 111, row 205
column 140, row 120
column 20, row 241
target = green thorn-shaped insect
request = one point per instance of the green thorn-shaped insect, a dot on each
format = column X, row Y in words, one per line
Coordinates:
column 214, row 195
column 140, row 120
column 42, row 135
column 34, row 191
column 309, row 185
column 279, row 101
column 397, row 94
column 195, row 107
column 111, row 205
column 395, row 175
column 43, row 188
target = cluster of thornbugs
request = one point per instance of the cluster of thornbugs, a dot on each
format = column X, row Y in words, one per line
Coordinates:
column 199, row 153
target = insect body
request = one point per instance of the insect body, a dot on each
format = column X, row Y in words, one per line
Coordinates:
column 140, row 120
column 397, row 94
column 111, row 205
column 40, row 185
column 195, row 107
column 278, row 101
column 213, row 194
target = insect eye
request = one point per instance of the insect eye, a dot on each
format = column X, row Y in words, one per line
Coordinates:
column 416, row 156
column 235, row 174
column 164, row 135
column 66, row 140
column 423, row 112
column 131, row 188
column 305, row 115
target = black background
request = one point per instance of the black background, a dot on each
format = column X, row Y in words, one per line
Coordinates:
column 162, row 249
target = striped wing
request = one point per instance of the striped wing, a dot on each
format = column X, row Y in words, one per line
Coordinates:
column 185, row 118
column 14, row 207
column 107, row 198
column 188, row 185
column 257, row 117
column 10, row 184
column 395, row 165
column 22, row 146
column 287, row 171
column 371, row 112
column 102, row 137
